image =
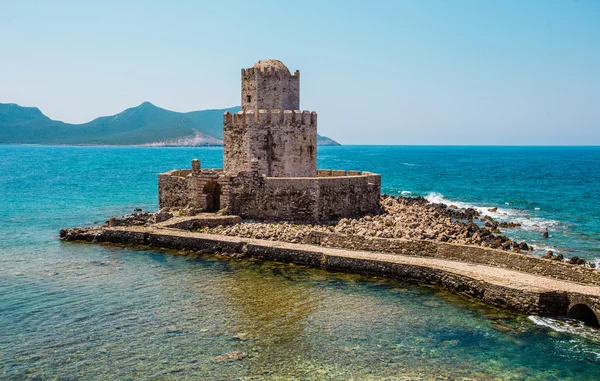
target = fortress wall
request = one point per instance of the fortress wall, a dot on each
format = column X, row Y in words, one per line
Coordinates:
column 173, row 189
column 236, row 144
column 421, row 248
column 347, row 196
column 283, row 141
column 176, row 191
column 252, row 196
column 257, row 197
column 301, row 198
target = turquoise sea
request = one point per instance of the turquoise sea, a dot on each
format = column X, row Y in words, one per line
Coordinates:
column 72, row 311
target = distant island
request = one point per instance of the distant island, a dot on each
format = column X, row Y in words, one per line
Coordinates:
column 146, row 125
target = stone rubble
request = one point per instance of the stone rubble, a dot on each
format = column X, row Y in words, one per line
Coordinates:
column 400, row 217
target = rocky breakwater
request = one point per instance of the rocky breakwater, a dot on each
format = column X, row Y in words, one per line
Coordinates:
column 409, row 218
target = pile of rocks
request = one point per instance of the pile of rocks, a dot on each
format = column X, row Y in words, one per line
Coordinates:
column 400, row 217
column 134, row 219
column 495, row 225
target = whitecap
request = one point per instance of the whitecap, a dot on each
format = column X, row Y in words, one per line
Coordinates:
column 404, row 192
column 408, row 164
column 570, row 326
column 553, row 324
column 499, row 214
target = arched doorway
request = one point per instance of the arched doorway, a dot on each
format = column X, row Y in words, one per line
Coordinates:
column 212, row 190
column 585, row 314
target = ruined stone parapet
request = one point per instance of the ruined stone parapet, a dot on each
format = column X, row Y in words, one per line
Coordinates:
column 252, row 73
column 204, row 189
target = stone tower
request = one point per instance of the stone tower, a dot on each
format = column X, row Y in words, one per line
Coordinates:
column 271, row 132
column 270, row 86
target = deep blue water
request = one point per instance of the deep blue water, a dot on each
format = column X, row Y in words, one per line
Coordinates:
column 77, row 311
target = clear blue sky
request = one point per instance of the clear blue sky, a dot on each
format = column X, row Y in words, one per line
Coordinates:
column 377, row 72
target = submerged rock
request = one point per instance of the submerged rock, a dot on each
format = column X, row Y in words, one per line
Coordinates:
column 230, row 357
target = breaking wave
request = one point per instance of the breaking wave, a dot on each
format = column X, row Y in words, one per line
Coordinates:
column 531, row 228
column 527, row 220
column 591, row 343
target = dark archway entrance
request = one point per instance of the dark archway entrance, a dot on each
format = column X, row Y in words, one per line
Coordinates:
column 585, row 314
column 212, row 190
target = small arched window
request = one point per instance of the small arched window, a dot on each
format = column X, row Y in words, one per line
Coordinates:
column 248, row 98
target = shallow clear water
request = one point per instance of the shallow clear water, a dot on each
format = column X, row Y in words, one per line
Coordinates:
column 81, row 311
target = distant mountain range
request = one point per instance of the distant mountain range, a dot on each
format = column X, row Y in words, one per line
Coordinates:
column 145, row 124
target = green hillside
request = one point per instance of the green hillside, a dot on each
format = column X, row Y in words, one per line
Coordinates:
column 144, row 124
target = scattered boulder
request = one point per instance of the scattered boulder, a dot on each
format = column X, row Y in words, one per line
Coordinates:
column 577, row 261
column 162, row 215
column 559, row 257
column 509, row 225
column 174, row 330
column 135, row 219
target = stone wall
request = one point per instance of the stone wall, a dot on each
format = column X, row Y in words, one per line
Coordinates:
column 270, row 90
column 177, row 189
column 348, row 196
column 283, row 141
column 514, row 261
column 304, row 199
column 173, row 189
column 331, row 196
column 257, row 197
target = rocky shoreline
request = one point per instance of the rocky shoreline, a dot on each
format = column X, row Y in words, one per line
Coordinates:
column 399, row 217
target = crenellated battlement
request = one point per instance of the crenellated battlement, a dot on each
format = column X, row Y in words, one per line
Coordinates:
column 271, row 117
column 270, row 128
column 253, row 72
